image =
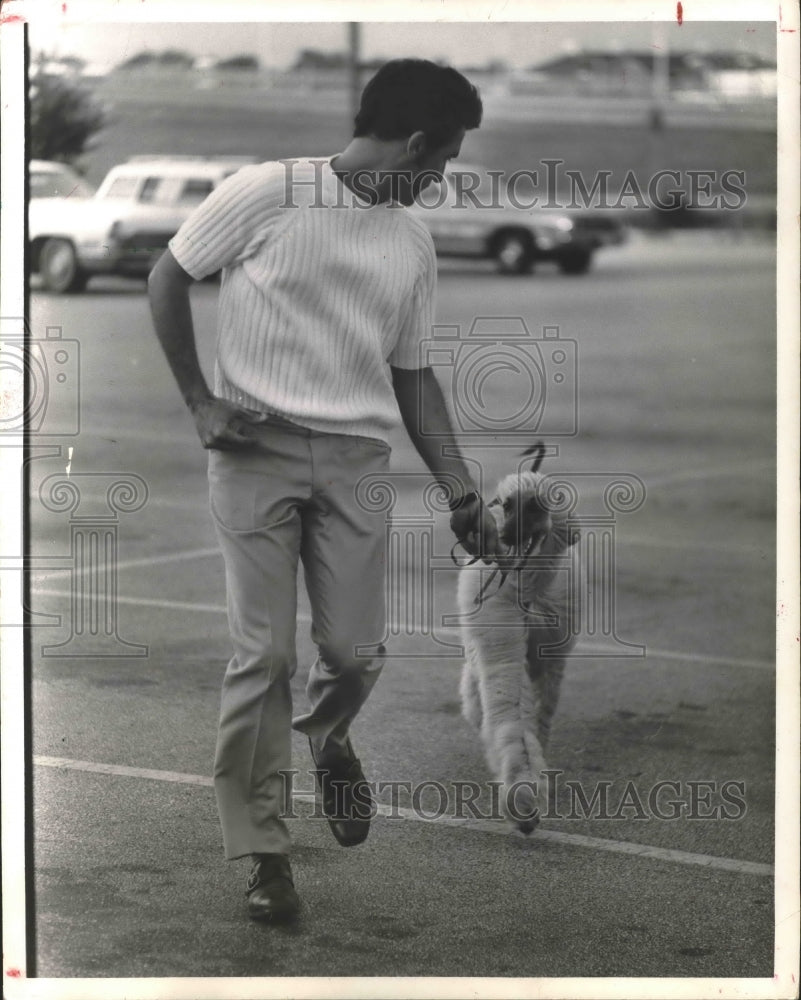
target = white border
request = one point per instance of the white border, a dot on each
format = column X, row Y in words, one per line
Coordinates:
column 12, row 300
column 787, row 718
column 101, row 11
column 788, row 623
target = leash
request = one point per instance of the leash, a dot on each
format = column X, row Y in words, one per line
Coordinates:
column 479, row 598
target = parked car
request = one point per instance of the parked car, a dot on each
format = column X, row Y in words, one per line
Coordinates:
column 489, row 225
column 47, row 179
column 125, row 225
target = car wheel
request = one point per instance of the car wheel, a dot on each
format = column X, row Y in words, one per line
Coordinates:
column 513, row 253
column 59, row 268
column 576, row 260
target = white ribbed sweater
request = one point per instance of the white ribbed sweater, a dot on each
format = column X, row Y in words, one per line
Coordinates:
column 320, row 294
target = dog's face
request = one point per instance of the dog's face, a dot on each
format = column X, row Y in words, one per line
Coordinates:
column 522, row 514
column 523, row 520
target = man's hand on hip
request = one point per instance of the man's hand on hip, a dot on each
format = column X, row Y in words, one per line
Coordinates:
column 225, row 425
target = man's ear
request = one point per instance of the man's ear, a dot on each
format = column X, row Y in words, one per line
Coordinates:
column 417, row 145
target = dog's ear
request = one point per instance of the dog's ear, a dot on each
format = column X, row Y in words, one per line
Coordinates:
column 538, row 451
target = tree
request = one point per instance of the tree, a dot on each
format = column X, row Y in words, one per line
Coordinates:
column 316, row 59
column 175, row 58
column 63, row 117
column 166, row 59
column 138, row 61
column 246, row 63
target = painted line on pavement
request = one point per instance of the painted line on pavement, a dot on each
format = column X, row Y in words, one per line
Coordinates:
column 716, row 661
column 498, row 828
column 583, row 650
column 144, row 602
column 170, row 557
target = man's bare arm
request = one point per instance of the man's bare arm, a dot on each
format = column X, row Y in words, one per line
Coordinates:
column 220, row 424
column 417, row 392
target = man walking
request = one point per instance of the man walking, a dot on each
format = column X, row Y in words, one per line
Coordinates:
column 327, row 291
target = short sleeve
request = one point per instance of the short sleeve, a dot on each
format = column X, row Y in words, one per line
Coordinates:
column 417, row 318
column 232, row 222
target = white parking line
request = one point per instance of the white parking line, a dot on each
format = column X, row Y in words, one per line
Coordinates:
column 144, row 602
column 498, row 828
column 184, row 555
column 581, row 649
column 170, row 557
column 719, row 661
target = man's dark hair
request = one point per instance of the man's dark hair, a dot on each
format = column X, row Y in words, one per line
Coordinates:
column 415, row 95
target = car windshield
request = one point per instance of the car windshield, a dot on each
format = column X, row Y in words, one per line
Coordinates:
column 183, row 191
column 122, row 187
column 154, row 189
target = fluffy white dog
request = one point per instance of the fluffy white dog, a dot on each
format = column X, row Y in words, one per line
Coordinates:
column 510, row 616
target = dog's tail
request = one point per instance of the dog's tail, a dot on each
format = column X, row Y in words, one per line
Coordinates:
column 538, row 451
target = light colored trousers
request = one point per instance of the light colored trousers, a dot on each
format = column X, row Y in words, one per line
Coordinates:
column 294, row 497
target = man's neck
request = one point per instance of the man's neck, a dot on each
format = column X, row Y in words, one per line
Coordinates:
column 367, row 153
column 360, row 166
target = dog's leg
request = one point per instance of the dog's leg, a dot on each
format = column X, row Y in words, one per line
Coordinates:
column 513, row 753
column 469, row 687
column 546, row 675
column 530, row 714
column 549, row 685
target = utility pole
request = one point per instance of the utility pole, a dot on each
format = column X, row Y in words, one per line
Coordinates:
column 660, row 81
column 659, row 98
column 354, row 59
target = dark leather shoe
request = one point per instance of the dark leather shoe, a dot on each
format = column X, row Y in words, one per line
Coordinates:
column 347, row 800
column 271, row 892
